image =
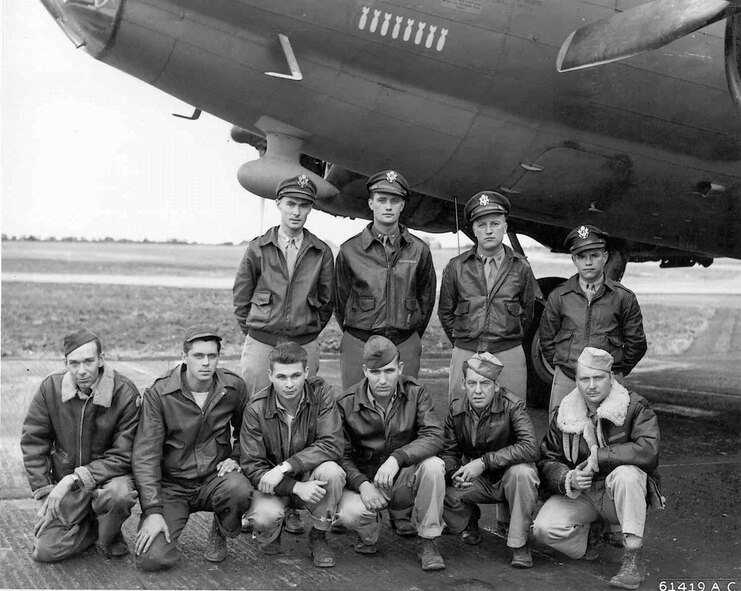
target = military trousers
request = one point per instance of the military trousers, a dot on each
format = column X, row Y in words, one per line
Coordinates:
column 227, row 496
column 518, row 487
column 563, row 522
column 421, row 486
column 85, row 516
column 267, row 511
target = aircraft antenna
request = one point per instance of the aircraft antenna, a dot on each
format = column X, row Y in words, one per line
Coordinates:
column 457, row 229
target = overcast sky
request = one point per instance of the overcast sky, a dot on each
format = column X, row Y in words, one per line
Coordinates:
column 92, row 152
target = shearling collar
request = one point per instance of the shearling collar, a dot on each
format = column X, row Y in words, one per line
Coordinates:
column 102, row 391
column 572, row 413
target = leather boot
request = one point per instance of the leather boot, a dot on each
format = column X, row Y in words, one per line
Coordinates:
column 216, row 547
column 321, row 553
column 429, row 554
column 632, row 572
column 471, row 535
column 116, row 549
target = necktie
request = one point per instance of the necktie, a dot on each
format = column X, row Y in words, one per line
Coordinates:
column 291, row 254
column 591, row 291
column 490, row 271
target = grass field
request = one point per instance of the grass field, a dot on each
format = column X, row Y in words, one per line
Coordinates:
column 146, row 321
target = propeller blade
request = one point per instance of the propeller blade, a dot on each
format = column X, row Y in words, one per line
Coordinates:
column 637, row 30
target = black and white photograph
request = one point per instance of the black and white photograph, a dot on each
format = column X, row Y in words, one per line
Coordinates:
column 329, row 294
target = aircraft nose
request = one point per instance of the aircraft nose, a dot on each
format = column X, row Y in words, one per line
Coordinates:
column 87, row 23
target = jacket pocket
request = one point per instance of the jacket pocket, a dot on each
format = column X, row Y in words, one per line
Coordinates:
column 462, row 321
column 260, row 307
column 563, row 342
column 411, row 311
column 615, row 344
column 513, row 321
column 61, row 463
column 366, row 303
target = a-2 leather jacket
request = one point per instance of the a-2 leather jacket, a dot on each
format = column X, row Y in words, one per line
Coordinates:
column 268, row 305
column 92, row 438
column 375, row 295
column 315, row 437
column 504, row 436
column 627, row 431
column 177, row 440
column 612, row 321
column 469, row 314
column 411, row 431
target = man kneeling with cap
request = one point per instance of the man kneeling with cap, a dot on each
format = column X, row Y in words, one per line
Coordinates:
column 392, row 434
column 599, row 458
column 291, row 440
column 76, row 442
column 184, row 457
column 489, row 451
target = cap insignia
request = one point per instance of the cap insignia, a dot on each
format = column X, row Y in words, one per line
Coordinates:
column 391, row 176
column 303, row 180
column 583, row 232
column 484, row 200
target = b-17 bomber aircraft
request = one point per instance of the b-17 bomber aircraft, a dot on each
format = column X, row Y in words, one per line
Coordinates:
column 620, row 113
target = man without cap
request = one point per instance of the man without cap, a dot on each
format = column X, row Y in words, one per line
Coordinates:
column 185, row 458
column 284, row 291
column 291, row 441
column 392, row 436
column 589, row 310
column 489, row 451
column 599, row 459
column 76, row 442
column 385, row 282
column 487, row 297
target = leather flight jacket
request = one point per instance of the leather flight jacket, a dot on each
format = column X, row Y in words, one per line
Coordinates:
column 268, row 305
column 315, row 437
column 612, row 321
column 177, row 440
column 635, row 443
column 410, row 432
column 504, row 436
column 92, row 438
column 477, row 320
column 376, row 295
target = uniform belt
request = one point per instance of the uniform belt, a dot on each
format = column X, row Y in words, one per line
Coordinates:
column 392, row 334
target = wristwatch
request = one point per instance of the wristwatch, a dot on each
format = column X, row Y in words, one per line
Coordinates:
column 284, row 467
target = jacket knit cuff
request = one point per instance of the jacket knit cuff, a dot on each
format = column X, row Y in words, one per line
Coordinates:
column 154, row 510
column 356, row 482
column 571, row 493
column 42, row 492
column 86, row 478
column 400, row 457
column 285, row 486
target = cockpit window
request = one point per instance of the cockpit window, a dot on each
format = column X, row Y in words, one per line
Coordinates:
column 88, row 23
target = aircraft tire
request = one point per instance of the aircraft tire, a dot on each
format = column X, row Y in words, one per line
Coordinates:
column 539, row 372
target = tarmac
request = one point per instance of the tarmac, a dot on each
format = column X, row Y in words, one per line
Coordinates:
column 696, row 538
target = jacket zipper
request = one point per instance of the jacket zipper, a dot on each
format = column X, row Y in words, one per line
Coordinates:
column 79, row 435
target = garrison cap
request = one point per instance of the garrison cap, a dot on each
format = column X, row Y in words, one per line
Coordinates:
column 485, row 202
column 300, row 186
column 584, row 238
column 389, row 182
column 200, row 332
column 594, row 358
column 77, row 339
column 484, row 364
column 378, row 352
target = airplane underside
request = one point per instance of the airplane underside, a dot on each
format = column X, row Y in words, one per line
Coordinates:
column 649, row 152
